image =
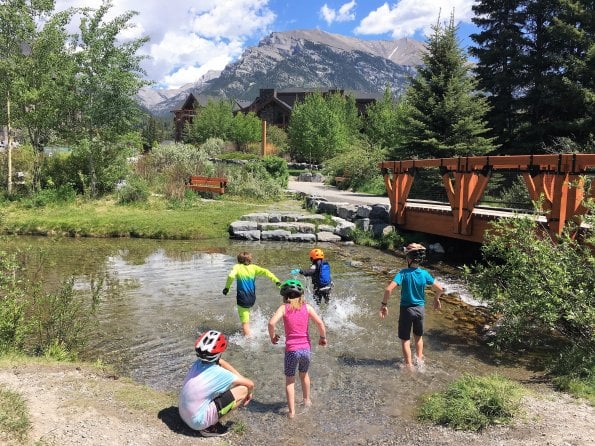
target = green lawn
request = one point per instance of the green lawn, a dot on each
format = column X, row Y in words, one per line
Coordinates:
column 202, row 219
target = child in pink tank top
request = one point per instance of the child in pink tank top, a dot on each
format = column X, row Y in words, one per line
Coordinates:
column 296, row 314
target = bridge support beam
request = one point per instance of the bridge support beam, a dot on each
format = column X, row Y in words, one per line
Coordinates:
column 398, row 188
column 560, row 195
column 464, row 191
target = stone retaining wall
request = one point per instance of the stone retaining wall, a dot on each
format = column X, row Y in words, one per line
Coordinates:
column 338, row 224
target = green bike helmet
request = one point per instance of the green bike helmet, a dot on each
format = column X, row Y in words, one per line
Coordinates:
column 291, row 288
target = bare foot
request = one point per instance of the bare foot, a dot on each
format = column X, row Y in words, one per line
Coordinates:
column 291, row 415
column 307, row 403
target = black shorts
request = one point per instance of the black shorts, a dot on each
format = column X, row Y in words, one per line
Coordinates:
column 411, row 317
column 223, row 402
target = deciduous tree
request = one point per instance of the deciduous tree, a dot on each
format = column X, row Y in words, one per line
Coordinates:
column 322, row 126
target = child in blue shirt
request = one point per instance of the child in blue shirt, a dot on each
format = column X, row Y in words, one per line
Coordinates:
column 413, row 281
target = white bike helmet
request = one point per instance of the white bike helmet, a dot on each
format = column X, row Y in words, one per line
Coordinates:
column 210, row 346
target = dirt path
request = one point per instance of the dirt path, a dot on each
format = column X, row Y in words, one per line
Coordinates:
column 72, row 405
column 333, row 194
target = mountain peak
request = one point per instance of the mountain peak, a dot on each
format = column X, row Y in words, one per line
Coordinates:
column 311, row 58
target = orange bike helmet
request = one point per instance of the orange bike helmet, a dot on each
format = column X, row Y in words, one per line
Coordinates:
column 316, row 254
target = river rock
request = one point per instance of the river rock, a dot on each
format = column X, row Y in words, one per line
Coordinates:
column 382, row 229
column 258, row 217
column 309, row 177
column 362, row 223
column 247, row 235
column 324, row 236
column 437, row 248
column 326, row 228
column 239, row 226
column 299, row 237
column 311, row 218
column 380, row 212
column 290, row 217
column 306, row 228
column 278, row 235
column 347, row 211
column 363, row 211
column 313, row 201
column 345, row 229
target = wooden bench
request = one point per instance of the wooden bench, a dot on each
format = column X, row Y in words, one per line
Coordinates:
column 340, row 181
column 207, row 184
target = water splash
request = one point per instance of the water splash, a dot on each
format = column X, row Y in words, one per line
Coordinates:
column 259, row 328
column 340, row 312
column 453, row 286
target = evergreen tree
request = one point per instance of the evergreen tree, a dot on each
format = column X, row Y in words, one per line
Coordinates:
column 149, row 132
column 445, row 114
column 536, row 59
column 501, row 44
column 560, row 94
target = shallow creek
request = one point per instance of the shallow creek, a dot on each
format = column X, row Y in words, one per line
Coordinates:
column 165, row 292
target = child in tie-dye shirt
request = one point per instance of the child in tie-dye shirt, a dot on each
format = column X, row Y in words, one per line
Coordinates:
column 244, row 272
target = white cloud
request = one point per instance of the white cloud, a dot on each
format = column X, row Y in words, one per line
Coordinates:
column 189, row 37
column 407, row 17
column 344, row 14
column 190, row 74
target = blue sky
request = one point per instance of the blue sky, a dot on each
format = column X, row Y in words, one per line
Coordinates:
column 190, row 37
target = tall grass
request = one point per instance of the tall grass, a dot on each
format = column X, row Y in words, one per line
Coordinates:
column 473, row 403
column 14, row 417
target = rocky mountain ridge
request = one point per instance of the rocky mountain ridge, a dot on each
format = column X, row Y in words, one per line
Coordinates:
column 303, row 59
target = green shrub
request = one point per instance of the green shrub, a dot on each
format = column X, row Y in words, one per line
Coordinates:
column 235, row 155
column 391, row 240
column 12, row 329
column 252, row 180
column 213, row 146
column 278, row 138
column 60, row 318
column 64, row 193
column 473, row 403
column 136, row 190
column 543, row 291
column 277, row 169
column 34, row 322
column 573, row 371
column 359, row 165
column 167, row 167
column 517, row 195
column 187, row 201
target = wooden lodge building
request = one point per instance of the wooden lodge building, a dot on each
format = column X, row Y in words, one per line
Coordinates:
column 271, row 105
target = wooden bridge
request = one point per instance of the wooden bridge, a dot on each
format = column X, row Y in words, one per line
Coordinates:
column 557, row 180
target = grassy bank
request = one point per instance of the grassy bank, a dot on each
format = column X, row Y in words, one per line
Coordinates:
column 197, row 219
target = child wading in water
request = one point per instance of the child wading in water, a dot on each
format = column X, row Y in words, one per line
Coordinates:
column 245, row 273
column 413, row 281
column 296, row 313
column 320, row 272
